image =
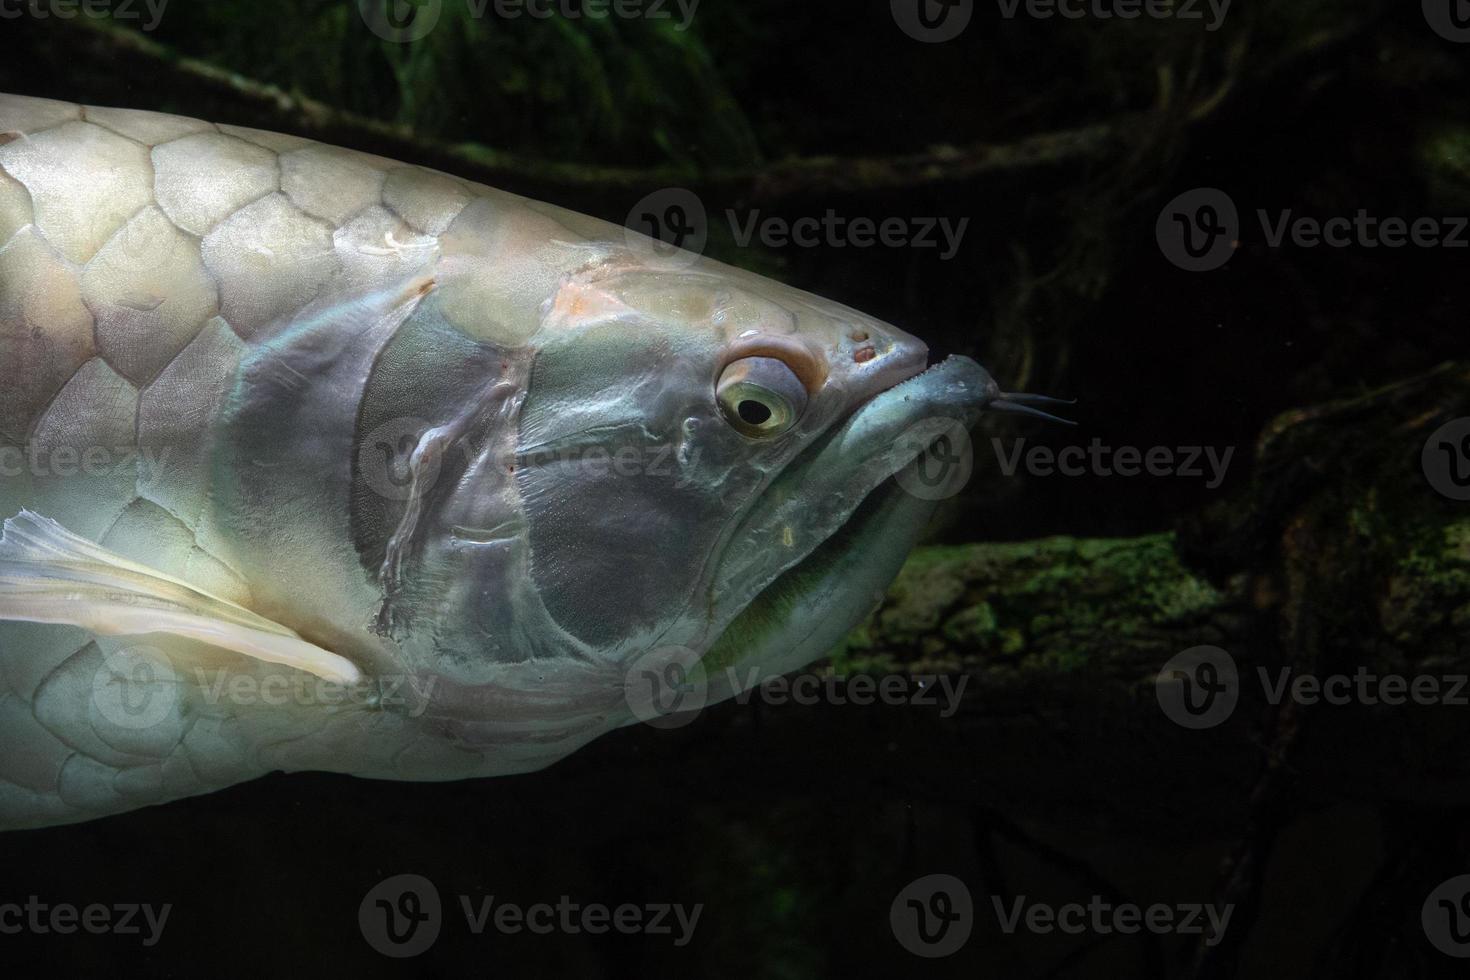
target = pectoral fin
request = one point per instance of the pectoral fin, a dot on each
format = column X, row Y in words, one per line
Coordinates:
column 50, row 575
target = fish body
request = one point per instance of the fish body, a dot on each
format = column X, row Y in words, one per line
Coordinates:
column 319, row 461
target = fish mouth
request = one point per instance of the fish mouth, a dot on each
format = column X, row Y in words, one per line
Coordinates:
column 833, row 529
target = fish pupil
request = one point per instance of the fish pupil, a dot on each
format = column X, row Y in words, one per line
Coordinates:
column 753, row 412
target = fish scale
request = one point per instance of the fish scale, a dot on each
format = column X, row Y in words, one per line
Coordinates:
column 159, row 372
column 92, row 402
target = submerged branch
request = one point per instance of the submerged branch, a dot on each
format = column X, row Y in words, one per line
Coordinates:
column 300, row 114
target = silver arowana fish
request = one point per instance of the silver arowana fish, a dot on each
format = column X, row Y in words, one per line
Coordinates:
column 316, row 461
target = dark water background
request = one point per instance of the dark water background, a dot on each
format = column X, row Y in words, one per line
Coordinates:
column 1061, row 141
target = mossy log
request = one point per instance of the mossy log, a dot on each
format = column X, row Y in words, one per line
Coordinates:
column 1340, row 555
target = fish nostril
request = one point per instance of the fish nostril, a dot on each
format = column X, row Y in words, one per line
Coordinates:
column 864, row 355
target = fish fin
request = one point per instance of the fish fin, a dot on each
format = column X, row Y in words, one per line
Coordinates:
column 50, row 575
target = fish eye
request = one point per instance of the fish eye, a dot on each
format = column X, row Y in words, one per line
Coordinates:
column 760, row 396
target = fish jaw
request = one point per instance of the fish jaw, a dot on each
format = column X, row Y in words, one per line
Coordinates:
column 833, row 530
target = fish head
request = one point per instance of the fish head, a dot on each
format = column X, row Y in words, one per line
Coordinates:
column 703, row 463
